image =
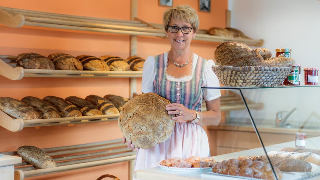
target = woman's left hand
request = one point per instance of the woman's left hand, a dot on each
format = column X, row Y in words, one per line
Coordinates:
column 182, row 114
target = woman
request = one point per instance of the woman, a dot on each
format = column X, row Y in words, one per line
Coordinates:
column 178, row 75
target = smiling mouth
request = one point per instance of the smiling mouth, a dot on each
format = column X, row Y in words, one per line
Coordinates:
column 179, row 41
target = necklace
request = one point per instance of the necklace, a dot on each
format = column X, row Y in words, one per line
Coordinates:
column 180, row 65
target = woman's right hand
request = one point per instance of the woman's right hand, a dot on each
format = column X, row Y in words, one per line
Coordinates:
column 129, row 143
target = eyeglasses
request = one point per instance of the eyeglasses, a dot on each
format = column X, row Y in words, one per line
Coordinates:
column 175, row 29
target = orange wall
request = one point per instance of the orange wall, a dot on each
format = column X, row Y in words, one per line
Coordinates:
column 46, row 41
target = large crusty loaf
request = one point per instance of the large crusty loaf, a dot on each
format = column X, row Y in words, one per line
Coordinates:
column 236, row 54
column 64, row 61
column 136, row 63
column 246, row 168
column 115, row 63
column 18, row 109
column 65, row 108
column 87, row 108
column 117, row 101
column 278, row 62
column 93, row 63
column 103, row 104
column 222, row 32
column 36, row 157
column 47, row 110
column 34, row 61
column 145, row 121
column 236, row 33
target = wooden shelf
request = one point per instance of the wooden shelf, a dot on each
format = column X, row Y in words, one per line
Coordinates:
column 137, row 27
column 10, row 71
column 15, row 125
column 75, row 157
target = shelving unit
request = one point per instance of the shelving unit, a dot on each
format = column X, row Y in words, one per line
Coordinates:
column 136, row 27
column 75, row 157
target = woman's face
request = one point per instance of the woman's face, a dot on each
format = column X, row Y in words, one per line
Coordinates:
column 179, row 40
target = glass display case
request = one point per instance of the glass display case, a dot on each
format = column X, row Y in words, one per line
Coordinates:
column 285, row 131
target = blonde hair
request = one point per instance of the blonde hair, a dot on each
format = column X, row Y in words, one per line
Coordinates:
column 184, row 13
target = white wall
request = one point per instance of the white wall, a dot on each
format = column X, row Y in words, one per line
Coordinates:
column 281, row 23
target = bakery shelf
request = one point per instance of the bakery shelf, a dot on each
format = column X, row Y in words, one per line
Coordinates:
column 136, row 27
column 75, row 157
column 15, row 125
column 10, row 71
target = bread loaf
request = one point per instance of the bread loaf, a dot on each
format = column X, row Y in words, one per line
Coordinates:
column 65, row 108
column 18, row 109
column 117, row 101
column 278, row 62
column 236, row 33
column 236, row 54
column 64, row 61
column 115, row 63
column 47, row 110
column 216, row 31
column 136, row 63
column 265, row 53
column 93, row 63
column 34, row 61
column 36, row 157
column 87, row 108
column 103, row 104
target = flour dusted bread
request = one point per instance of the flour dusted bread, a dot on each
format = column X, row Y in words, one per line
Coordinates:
column 236, row 54
column 117, row 101
column 265, row 53
column 64, row 61
column 93, row 63
column 136, row 63
column 18, row 109
column 36, row 157
column 47, row 110
column 115, row 63
column 145, row 121
column 34, row 61
column 65, row 108
column 86, row 108
column 103, row 104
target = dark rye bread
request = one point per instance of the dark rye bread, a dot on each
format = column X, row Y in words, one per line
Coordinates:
column 136, row 63
column 87, row 108
column 65, row 108
column 36, row 157
column 115, row 63
column 93, row 63
column 64, row 61
column 103, row 104
column 47, row 110
column 117, row 101
column 18, row 109
column 34, row 61
column 236, row 54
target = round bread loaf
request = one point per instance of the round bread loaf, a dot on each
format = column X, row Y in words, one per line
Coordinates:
column 236, row 54
column 265, row 53
column 145, row 121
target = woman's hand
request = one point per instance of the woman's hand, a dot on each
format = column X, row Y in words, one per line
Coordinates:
column 129, row 143
column 182, row 114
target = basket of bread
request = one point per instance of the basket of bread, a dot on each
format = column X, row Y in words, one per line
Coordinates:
column 240, row 66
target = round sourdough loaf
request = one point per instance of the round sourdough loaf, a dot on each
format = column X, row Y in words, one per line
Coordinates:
column 145, row 121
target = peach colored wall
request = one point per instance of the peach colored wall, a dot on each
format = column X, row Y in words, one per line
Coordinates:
column 46, row 41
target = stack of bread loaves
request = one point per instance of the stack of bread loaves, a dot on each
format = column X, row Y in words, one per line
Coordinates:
column 239, row 65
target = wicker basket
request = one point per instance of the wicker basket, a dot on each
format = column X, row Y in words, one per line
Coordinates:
column 251, row 76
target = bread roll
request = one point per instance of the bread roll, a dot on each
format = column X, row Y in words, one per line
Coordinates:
column 64, row 61
column 87, row 108
column 34, row 61
column 136, row 63
column 47, row 110
column 103, row 104
column 93, row 63
column 18, row 109
column 65, row 108
column 115, row 63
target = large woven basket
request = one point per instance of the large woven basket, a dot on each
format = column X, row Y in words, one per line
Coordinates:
column 251, row 76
